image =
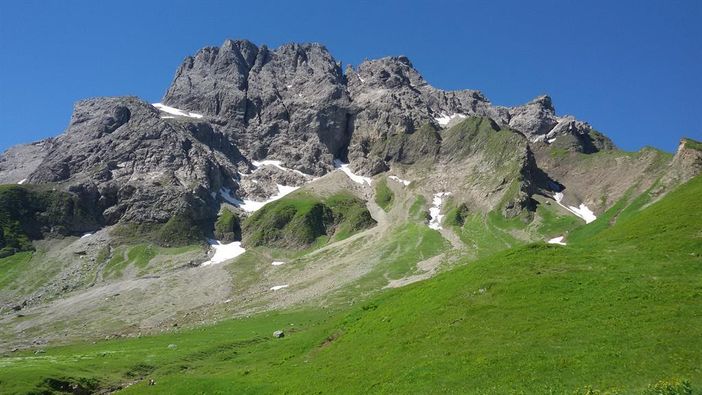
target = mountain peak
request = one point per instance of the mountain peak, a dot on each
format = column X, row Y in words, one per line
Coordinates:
column 543, row 101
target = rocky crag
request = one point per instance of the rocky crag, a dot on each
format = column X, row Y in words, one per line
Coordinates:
column 239, row 121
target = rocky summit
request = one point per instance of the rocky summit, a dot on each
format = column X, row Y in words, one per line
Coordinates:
column 302, row 198
column 240, row 103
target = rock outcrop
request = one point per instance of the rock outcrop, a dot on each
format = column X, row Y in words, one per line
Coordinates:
column 686, row 164
column 233, row 105
column 295, row 104
column 18, row 162
column 137, row 166
column 391, row 98
column 289, row 103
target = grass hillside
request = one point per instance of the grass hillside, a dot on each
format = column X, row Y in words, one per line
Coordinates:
column 228, row 226
column 617, row 312
column 300, row 219
column 481, row 135
column 384, row 196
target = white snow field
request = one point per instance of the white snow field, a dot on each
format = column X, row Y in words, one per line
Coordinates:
column 445, row 119
column 557, row 240
column 581, row 211
column 224, row 252
column 279, row 165
column 355, row 178
column 401, row 181
column 435, row 211
column 175, row 111
column 252, row 205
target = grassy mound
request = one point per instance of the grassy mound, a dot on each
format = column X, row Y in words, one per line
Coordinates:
column 407, row 148
column 180, row 230
column 384, row 196
column 228, row 226
column 299, row 220
column 481, row 135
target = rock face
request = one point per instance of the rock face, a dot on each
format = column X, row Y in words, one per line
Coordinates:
column 240, row 103
column 18, row 162
column 391, row 98
column 686, row 164
column 391, row 101
column 290, row 103
column 295, row 104
column 138, row 167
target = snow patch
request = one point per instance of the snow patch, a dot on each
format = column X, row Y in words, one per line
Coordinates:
column 85, row 236
column 277, row 263
column 557, row 240
column 224, row 252
column 275, row 163
column 252, row 205
column 538, row 138
column 401, row 181
column 581, row 211
column 550, row 141
column 435, row 211
column 175, row 111
column 279, row 165
column 22, row 181
column 445, row 119
column 359, row 78
column 277, row 287
column 355, row 178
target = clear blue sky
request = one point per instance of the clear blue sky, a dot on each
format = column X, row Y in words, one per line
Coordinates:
column 633, row 69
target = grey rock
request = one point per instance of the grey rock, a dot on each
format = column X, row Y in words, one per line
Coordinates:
column 138, row 167
column 264, row 182
column 290, row 102
column 278, row 334
column 686, row 164
column 293, row 104
column 535, row 118
column 18, row 162
column 391, row 101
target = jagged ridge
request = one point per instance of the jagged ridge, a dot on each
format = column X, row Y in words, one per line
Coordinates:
column 293, row 104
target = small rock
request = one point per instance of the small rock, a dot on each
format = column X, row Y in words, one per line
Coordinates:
column 278, row 334
column 39, row 351
column 172, row 346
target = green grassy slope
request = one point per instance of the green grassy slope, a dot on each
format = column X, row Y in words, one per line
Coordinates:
column 300, row 219
column 617, row 312
column 383, row 194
